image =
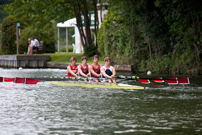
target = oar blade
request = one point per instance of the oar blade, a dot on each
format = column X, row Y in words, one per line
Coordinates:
column 19, row 80
column 146, row 81
column 172, row 80
column 158, row 80
column 7, row 79
column 1, row 79
column 184, row 80
column 31, row 81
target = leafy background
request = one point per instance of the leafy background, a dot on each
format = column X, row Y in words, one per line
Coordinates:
column 159, row 35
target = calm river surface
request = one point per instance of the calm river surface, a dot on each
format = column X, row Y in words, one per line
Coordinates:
column 45, row 109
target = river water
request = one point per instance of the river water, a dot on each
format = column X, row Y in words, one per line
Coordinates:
column 45, row 109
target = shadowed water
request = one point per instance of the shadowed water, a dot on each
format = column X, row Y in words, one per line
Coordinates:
column 45, row 109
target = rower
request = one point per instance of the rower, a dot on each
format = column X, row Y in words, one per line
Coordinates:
column 84, row 68
column 108, row 71
column 95, row 68
column 72, row 69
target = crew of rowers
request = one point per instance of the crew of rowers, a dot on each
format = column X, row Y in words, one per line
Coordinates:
column 104, row 73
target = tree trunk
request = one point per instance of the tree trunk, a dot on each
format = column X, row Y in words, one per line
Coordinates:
column 96, row 22
column 77, row 12
column 86, row 38
column 150, row 48
column 100, row 13
column 87, row 24
column 133, row 33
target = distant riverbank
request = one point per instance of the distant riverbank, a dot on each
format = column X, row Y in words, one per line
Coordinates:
column 50, row 60
column 64, row 57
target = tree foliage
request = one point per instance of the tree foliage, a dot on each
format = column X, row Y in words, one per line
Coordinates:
column 9, row 34
column 159, row 35
column 3, row 13
column 60, row 10
column 45, row 34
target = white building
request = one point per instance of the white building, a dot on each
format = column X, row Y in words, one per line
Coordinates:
column 78, row 47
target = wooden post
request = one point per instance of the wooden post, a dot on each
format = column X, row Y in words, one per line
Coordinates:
column 66, row 39
column 17, row 37
column 58, row 39
column 19, row 41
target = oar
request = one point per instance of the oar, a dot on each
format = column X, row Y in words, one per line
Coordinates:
column 159, row 80
column 19, row 80
column 36, row 80
column 8, row 79
column 56, row 78
column 174, row 80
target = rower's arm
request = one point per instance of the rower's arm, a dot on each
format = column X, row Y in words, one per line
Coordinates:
column 80, row 71
column 103, row 73
column 114, row 72
column 93, row 72
column 69, row 70
column 88, row 71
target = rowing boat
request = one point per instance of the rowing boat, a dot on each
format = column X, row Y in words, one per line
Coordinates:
column 83, row 82
column 95, row 85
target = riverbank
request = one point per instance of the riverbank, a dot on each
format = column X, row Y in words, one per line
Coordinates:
column 64, row 57
column 59, row 65
column 50, row 60
column 25, row 61
column 62, row 60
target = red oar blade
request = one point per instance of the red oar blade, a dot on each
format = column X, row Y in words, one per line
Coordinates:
column 31, row 81
column 184, row 80
column 19, row 80
column 1, row 79
column 146, row 81
column 172, row 80
column 158, row 80
column 6, row 79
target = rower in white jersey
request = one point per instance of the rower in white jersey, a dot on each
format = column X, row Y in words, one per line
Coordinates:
column 108, row 71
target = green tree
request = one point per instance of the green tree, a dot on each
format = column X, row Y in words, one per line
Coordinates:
column 45, row 34
column 27, row 30
column 184, row 19
column 3, row 13
column 9, row 34
column 61, row 10
column 159, row 35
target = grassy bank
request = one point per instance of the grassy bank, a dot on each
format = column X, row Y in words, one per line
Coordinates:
column 64, row 57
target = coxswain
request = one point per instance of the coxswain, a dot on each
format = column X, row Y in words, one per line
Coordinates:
column 84, row 68
column 108, row 71
column 95, row 68
column 72, row 70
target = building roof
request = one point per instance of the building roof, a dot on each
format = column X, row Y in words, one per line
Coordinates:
column 68, row 23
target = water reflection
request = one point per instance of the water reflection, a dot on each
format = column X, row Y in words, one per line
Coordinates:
column 47, row 109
